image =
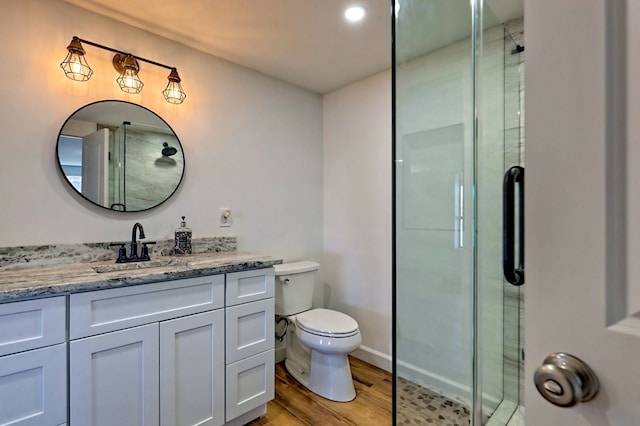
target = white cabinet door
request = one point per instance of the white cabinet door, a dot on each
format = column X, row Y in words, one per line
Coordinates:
column 114, row 378
column 33, row 387
column 192, row 370
column 582, row 205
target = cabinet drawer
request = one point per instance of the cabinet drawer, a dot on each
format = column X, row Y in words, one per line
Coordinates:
column 102, row 311
column 249, row 286
column 33, row 387
column 250, row 329
column 250, row 383
column 32, row 324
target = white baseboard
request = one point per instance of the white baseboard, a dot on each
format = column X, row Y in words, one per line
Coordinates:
column 373, row 357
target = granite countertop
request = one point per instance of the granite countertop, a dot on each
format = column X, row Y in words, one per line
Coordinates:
column 24, row 282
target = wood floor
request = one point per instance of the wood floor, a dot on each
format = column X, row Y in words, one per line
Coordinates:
column 295, row 405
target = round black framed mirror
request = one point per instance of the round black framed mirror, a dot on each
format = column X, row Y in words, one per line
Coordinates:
column 120, row 156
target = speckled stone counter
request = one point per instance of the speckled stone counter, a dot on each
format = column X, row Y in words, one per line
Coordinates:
column 57, row 254
column 30, row 280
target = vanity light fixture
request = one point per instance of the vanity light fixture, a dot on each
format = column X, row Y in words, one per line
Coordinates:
column 128, row 68
column 76, row 68
column 75, row 65
column 173, row 93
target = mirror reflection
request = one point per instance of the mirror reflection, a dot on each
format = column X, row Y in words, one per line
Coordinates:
column 120, row 156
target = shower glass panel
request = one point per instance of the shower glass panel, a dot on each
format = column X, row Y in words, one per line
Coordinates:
column 497, row 149
column 456, row 347
column 117, row 167
column 434, row 125
column 513, row 306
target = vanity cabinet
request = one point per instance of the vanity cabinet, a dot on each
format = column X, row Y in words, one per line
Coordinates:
column 175, row 353
column 33, row 363
column 149, row 355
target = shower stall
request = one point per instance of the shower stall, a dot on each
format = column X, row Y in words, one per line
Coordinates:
column 458, row 123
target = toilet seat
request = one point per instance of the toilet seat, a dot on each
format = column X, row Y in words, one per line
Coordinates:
column 327, row 323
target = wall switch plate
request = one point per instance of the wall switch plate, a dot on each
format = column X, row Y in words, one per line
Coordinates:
column 225, row 219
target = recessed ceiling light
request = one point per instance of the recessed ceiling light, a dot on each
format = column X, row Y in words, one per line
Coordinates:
column 354, row 13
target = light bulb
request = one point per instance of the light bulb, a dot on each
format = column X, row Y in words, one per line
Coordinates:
column 129, row 81
column 76, row 65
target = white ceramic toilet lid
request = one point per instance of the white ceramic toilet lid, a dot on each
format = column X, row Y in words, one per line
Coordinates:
column 327, row 322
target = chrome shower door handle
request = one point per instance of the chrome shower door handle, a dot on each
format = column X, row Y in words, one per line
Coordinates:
column 565, row 380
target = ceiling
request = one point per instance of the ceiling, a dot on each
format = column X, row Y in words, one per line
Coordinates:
column 307, row 43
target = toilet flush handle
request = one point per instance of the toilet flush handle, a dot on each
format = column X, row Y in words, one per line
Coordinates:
column 285, row 281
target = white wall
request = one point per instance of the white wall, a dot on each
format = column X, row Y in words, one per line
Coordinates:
column 356, row 266
column 251, row 143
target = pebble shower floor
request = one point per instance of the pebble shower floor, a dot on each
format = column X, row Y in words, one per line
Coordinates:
column 420, row 406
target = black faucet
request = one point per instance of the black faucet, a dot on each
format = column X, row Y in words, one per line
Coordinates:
column 134, row 245
column 133, row 254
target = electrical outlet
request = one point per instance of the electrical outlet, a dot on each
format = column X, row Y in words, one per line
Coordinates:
column 225, row 219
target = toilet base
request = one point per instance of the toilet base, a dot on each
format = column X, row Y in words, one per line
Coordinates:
column 329, row 375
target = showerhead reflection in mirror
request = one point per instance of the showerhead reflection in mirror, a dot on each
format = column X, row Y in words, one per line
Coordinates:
column 168, row 151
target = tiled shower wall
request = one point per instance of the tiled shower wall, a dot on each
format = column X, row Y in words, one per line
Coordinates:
column 144, row 158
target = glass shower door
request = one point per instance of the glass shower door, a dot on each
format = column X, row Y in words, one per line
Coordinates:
column 499, row 147
column 452, row 322
column 434, row 126
column 117, row 164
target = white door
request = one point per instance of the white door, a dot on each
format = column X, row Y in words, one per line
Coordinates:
column 95, row 167
column 582, row 210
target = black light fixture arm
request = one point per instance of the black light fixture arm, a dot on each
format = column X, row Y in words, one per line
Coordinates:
column 110, row 49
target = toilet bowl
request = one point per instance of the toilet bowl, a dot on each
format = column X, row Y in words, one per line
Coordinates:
column 318, row 341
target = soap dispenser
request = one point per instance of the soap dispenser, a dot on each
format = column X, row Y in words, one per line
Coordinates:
column 183, row 239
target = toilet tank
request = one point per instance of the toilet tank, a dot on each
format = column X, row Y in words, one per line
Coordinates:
column 294, row 286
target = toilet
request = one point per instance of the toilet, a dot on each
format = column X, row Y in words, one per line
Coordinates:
column 317, row 340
